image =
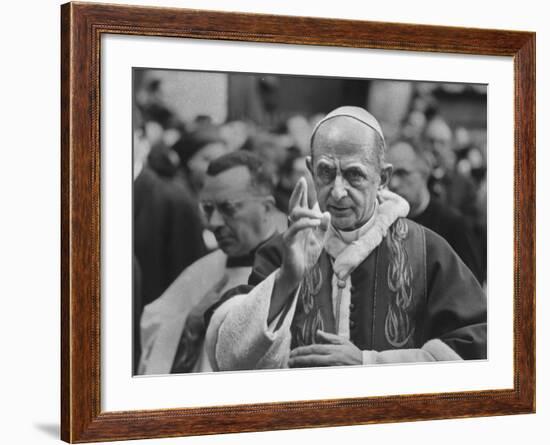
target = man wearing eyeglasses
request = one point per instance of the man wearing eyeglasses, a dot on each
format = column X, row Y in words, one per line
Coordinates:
column 351, row 281
column 237, row 204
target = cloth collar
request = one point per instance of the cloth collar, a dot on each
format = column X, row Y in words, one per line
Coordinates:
column 338, row 240
column 241, row 261
column 350, row 249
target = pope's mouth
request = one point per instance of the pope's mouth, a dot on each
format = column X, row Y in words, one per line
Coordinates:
column 339, row 210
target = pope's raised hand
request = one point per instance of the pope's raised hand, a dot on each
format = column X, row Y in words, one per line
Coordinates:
column 302, row 244
column 303, row 241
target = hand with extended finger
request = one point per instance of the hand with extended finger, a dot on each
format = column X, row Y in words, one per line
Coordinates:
column 303, row 241
column 332, row 350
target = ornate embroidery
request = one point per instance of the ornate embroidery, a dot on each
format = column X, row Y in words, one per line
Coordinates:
column 312, row 320
column 398, row 327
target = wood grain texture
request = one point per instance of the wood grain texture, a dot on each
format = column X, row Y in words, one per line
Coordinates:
column 81, row 28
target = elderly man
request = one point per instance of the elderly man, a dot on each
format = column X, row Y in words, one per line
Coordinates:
column 447, row 183
column 368, row 286
column 238, row 206
column 411, row 172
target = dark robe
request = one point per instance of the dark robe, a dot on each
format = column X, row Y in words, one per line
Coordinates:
column 451, row 225
column 445, row 301
column 167, row 231
column 458, row 191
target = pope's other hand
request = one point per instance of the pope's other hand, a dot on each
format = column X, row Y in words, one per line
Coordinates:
column 332, row 350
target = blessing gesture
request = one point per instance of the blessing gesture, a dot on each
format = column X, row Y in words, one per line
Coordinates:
column 302, row 244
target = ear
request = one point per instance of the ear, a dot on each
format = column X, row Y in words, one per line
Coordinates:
column 385, row 175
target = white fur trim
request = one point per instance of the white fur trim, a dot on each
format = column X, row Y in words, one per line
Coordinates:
column 433, row 351
column 392, row 206
column 369, row 357
column 238, row 336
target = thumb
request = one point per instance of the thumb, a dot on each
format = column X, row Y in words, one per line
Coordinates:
column 327, row 337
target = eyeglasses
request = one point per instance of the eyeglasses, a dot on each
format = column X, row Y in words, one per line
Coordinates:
column 401, row 173
column 228, row 209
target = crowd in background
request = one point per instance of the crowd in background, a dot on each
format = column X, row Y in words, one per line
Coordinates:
column 171, row 156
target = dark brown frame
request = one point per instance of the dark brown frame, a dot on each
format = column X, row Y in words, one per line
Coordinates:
column 81, row 28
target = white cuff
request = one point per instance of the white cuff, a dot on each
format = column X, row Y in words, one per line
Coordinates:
column 432, row 351
column 369, row 357
column 440, row 351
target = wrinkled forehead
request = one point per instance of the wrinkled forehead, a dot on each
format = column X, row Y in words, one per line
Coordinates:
column 233, row 183
column 344, row 138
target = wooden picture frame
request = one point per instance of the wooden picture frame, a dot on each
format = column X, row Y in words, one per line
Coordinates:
column 82, row 26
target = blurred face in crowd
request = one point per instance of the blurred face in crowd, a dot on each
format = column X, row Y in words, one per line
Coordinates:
column 270, row 148
column 237, row 215
column 414, row 124
column 439, row 140
column 198, row 164
column 346, row 171
column 410, row 174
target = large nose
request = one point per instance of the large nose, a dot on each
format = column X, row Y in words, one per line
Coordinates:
column 338, row 189
column 216, row 220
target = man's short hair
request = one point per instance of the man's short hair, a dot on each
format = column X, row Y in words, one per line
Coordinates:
column 260, row 178
column 423, row 161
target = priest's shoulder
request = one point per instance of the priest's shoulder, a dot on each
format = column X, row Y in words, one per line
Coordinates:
column 438, row 252
column 417, row 229
column 435, row 246
column 214, row 260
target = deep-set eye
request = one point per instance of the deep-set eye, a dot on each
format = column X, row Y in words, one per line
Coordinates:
column 354, row 176
column 227, row 209
column 326, row 173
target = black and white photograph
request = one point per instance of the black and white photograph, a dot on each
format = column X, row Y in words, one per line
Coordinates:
column 285, row 221
column 277, row 222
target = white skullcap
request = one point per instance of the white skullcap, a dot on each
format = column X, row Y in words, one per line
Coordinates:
column 359, row 114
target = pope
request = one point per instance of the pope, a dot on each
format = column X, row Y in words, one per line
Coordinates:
column 368, row 286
